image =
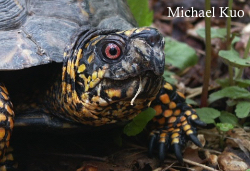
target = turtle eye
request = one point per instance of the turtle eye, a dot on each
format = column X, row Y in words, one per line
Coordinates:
column 112, row 51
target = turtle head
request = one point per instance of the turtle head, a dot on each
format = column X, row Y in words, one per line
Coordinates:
column 106, row 73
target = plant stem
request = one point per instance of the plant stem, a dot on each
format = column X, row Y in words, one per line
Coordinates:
column 245, row 56
column 207, row 69
column 230, row 68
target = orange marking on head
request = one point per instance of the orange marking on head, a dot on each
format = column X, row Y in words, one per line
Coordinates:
column 164, row 99
column 168, row 113
column 172, row 105
column 158, row 109
column 172, row 119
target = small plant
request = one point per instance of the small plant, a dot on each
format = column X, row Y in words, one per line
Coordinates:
column 233, row 87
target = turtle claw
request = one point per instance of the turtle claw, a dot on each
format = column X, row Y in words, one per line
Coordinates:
column 162, row 151
column 177, row 151
column 199, row 122
column 195, row 140
column 151, row 144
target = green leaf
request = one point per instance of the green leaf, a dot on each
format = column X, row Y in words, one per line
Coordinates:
column 139, row 122
column 224, row 82
column 233, row 92
column 179, row 54
column 207, row 114
column 239, row 82
column 191, row 102
column 215, row 32
column 225, row 126
column 231, row 57
column 168, row 77
column 141, row 12
column 242, row 82
column 227, row 117
column 242, row 109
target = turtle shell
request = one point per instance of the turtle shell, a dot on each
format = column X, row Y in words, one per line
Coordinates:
column 36, row 32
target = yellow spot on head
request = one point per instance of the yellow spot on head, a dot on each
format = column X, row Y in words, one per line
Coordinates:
column 94, row 75
column 141, row 29
column 129, row 32
column 92, row 84
column 91, row 57
column 101, row 73
column 81, row 68
column 113, row 93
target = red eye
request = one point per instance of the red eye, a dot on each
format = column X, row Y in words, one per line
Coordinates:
column 112, row 51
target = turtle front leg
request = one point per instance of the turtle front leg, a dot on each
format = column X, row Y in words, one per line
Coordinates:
column 175, row 122
column 6, row 127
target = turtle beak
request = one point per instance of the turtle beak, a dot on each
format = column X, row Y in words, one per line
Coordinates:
column 150, row 44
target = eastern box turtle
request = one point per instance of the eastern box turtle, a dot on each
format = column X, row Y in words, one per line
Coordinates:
column 85, row 62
